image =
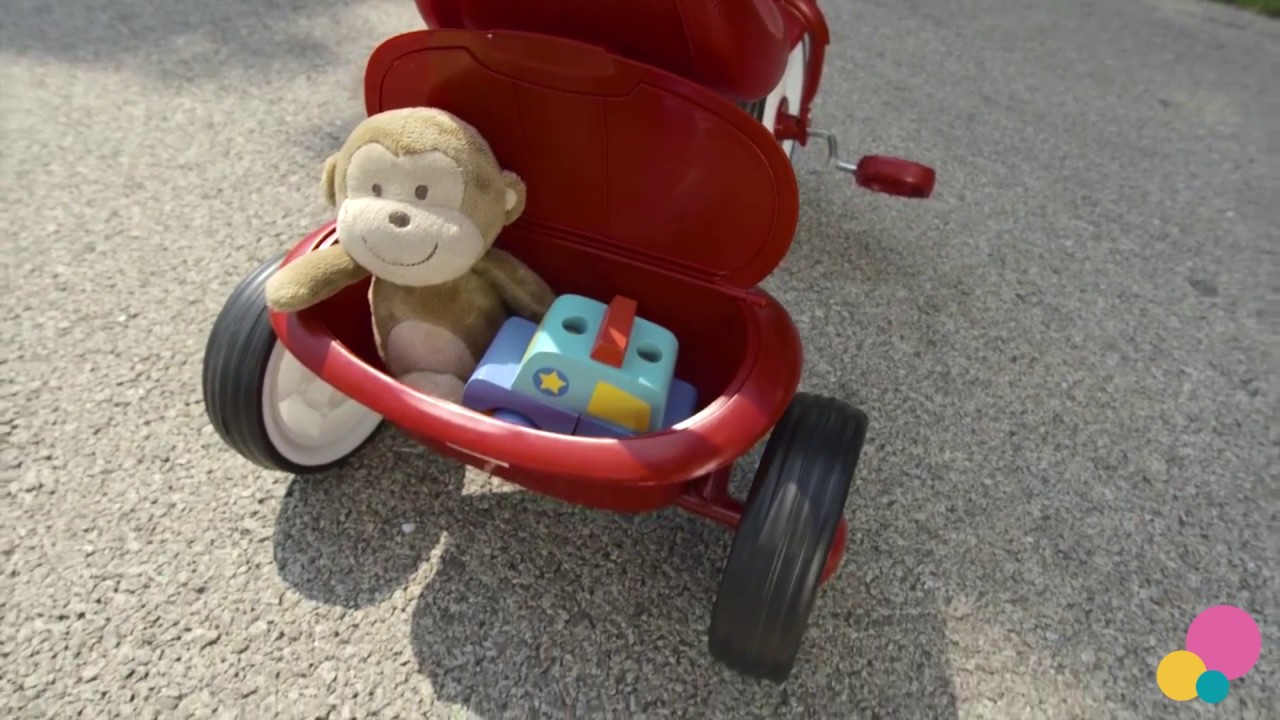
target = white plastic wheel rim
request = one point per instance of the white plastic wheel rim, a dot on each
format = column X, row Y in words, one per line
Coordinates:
column 790, row 87
column 309, row 422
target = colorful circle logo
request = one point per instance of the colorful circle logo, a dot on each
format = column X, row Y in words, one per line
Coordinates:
column 1223, row 643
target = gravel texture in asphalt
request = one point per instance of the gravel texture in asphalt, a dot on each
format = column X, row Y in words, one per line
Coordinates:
column 1069, row 358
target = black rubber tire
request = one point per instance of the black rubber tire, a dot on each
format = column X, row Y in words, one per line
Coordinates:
column 772, row 575
column 755, row 109
column 235, row 365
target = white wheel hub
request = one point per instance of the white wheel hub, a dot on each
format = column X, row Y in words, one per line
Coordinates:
column 791, row 87
column 307, row 420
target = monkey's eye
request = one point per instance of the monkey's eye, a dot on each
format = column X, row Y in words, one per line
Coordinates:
column 420, row 192
column 377, row 190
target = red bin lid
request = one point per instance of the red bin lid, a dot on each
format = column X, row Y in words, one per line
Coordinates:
column 612, row 151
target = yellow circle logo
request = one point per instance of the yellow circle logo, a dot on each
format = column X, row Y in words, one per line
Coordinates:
column 1177, row 674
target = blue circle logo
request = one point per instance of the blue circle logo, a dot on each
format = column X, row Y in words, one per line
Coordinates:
column 550, row 381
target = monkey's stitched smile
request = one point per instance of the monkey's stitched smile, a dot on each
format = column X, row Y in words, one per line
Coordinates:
column 423, row 261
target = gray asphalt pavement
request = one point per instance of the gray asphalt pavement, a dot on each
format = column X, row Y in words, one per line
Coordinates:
column 1069, row 357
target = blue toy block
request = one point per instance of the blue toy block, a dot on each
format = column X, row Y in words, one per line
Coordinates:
column 558, row 368
column 489, row 388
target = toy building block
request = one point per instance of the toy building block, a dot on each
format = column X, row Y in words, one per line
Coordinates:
column 611, row 342
column 590, row 427
column 582, row 360
column 682, row 403
column 623, row 366
column 489, row 388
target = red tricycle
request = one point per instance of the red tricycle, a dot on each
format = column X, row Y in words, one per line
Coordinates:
column 655, row 138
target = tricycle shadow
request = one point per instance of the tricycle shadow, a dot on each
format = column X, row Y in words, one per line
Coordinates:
column 352, row 536
column 539, row 605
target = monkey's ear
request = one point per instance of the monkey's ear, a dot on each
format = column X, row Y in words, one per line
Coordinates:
column 327, row 183
column 513, row 195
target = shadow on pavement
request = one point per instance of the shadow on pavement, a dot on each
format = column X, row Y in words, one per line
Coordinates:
column 541, row 605
column 353, row 536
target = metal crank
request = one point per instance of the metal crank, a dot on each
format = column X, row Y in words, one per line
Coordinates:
column 881, row 173
column 877, row 173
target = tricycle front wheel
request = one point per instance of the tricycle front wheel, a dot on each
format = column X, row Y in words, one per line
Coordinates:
column 263, row 402
column 779, row 551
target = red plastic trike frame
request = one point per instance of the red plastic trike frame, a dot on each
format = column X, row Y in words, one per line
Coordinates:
column 740, row 54
column 687, row 236
column 806, row 18
column 689, row 466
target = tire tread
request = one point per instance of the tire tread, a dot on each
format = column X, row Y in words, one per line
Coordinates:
column 770, row 583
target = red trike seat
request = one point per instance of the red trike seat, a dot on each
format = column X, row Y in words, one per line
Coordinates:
column 738, row 49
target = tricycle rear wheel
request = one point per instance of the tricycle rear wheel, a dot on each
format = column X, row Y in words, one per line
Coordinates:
column 263, row 402
column 775, row 565
column 790, row 88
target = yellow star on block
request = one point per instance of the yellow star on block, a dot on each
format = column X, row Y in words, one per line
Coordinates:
column 551, row 381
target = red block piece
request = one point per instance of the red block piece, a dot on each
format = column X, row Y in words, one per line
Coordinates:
column 615, row 332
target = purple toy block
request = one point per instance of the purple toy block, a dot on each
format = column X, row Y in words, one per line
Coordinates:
column 514, row 418
column 590, row 427
column 484, row 396
column 682, row 403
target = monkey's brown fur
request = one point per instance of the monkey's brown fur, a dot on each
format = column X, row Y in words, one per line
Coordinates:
column 469, row 308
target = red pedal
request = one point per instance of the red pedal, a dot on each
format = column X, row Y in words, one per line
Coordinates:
column 894, row 176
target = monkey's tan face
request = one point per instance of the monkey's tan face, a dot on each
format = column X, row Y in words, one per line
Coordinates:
column 402, row 218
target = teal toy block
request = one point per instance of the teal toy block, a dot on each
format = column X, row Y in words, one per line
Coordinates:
column 558, row 367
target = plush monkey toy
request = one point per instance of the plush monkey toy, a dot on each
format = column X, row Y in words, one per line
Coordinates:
column 421, row 200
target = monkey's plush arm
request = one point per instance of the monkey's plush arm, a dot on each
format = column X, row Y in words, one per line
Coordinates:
column 311, row 278
column 523, row 290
